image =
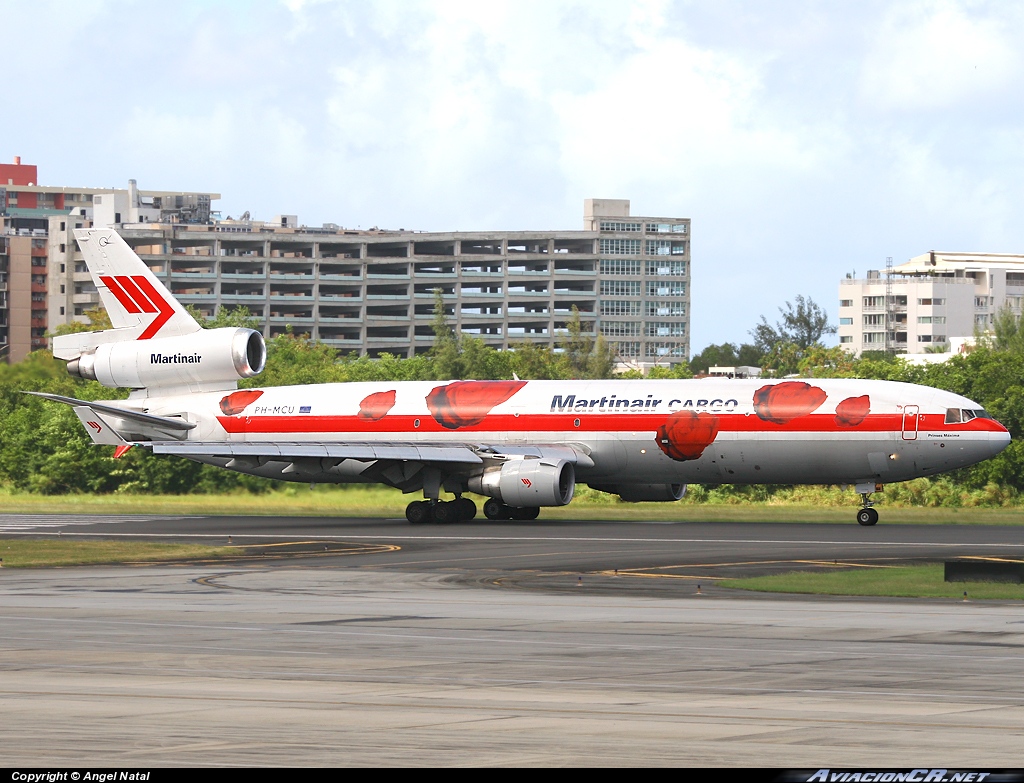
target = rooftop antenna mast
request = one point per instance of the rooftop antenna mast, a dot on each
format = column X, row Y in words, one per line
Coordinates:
column 890, row 310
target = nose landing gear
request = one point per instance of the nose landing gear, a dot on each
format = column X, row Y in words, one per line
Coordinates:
column 867, row 516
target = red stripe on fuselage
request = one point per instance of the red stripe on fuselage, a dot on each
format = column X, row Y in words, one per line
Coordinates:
column 588, row 422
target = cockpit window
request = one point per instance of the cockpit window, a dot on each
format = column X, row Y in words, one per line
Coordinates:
column 960, row 415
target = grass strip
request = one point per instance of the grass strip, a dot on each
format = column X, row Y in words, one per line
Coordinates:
column 384, row 502
column 924, row 581
column 37, row 553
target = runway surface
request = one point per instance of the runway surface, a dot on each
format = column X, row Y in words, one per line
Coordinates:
column 502, row 644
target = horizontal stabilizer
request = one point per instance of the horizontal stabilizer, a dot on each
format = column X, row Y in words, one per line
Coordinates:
column 99, row 429
column 158, row 422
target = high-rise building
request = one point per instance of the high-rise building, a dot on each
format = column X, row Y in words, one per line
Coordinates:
column 31, row 298
column 373, row 292
column 931, row 300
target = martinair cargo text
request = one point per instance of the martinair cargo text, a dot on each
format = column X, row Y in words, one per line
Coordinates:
column 523, row 444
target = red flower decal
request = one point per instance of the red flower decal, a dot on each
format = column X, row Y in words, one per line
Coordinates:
column 465, row 403
column 236, row 402
column 685, row 434
column 852, row 411
column 375, row 407
column 782, row 402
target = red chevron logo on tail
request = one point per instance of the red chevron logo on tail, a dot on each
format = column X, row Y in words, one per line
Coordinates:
column 137, row 295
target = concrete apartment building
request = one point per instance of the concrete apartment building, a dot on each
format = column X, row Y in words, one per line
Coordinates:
column 934, row 299
column 373, row 291
column 35, row 292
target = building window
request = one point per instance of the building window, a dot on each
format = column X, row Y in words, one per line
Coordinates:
column 619, row 247
column 666, row 308
column 846, row 303
column 846, row 322
column 663, row 329
column 619, row 307
column 667, row 228
column 676, row 350
column 874, row 320
column 620, row 288
column 874, row 338
column 667, row 268
column 619, row 266
column 611, row 225
column 627, row 349
column 846, row 338
column 665, row 247
column 658, row 288
column 931, row 301
column 931, row 319
column 620, row 328
column 874, row 301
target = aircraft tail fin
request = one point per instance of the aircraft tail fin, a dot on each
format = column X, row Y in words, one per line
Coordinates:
column 139, row 305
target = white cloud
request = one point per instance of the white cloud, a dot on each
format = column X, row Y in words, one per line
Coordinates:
column 932, row 55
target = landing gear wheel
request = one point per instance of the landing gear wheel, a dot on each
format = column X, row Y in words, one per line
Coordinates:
column 418, row 512
column 495, row 510
column 867, row 517
column 445, row 513
column 467, row 509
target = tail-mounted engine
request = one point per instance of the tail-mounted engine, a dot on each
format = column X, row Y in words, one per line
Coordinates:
column 201, row 360
column 528, row 482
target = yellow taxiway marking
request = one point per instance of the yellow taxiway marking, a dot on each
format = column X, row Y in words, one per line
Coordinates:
column 346, row 549
column 649, row 572
column 641, row 575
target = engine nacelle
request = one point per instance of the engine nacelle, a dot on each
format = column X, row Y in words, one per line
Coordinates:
column 212, row 356
column 528, row 482
column 645, row 493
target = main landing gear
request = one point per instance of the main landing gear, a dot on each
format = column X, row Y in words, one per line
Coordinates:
column 867, row 516
column 442, row 512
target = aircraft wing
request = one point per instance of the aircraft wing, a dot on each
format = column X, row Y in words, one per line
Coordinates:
column 406, row 466
column 466, row 453
column 267, row 452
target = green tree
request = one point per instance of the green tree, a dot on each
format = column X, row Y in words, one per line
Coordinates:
column 585, row 356
column 803, row 324
column 99, row 320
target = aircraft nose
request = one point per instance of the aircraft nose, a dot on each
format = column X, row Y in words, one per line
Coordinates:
column 999, row 438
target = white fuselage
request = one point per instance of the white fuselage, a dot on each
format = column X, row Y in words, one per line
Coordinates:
column 636, row 431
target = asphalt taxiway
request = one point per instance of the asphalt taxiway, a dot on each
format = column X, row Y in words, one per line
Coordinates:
column 372, row 642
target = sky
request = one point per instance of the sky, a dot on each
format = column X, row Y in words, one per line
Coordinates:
column 805, row 140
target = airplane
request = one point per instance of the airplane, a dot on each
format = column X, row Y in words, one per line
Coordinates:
column 522, row 444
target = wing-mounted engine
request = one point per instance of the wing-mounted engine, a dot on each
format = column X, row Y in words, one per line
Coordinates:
column 528, row 482
column 644, row 493
column 206, row 360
